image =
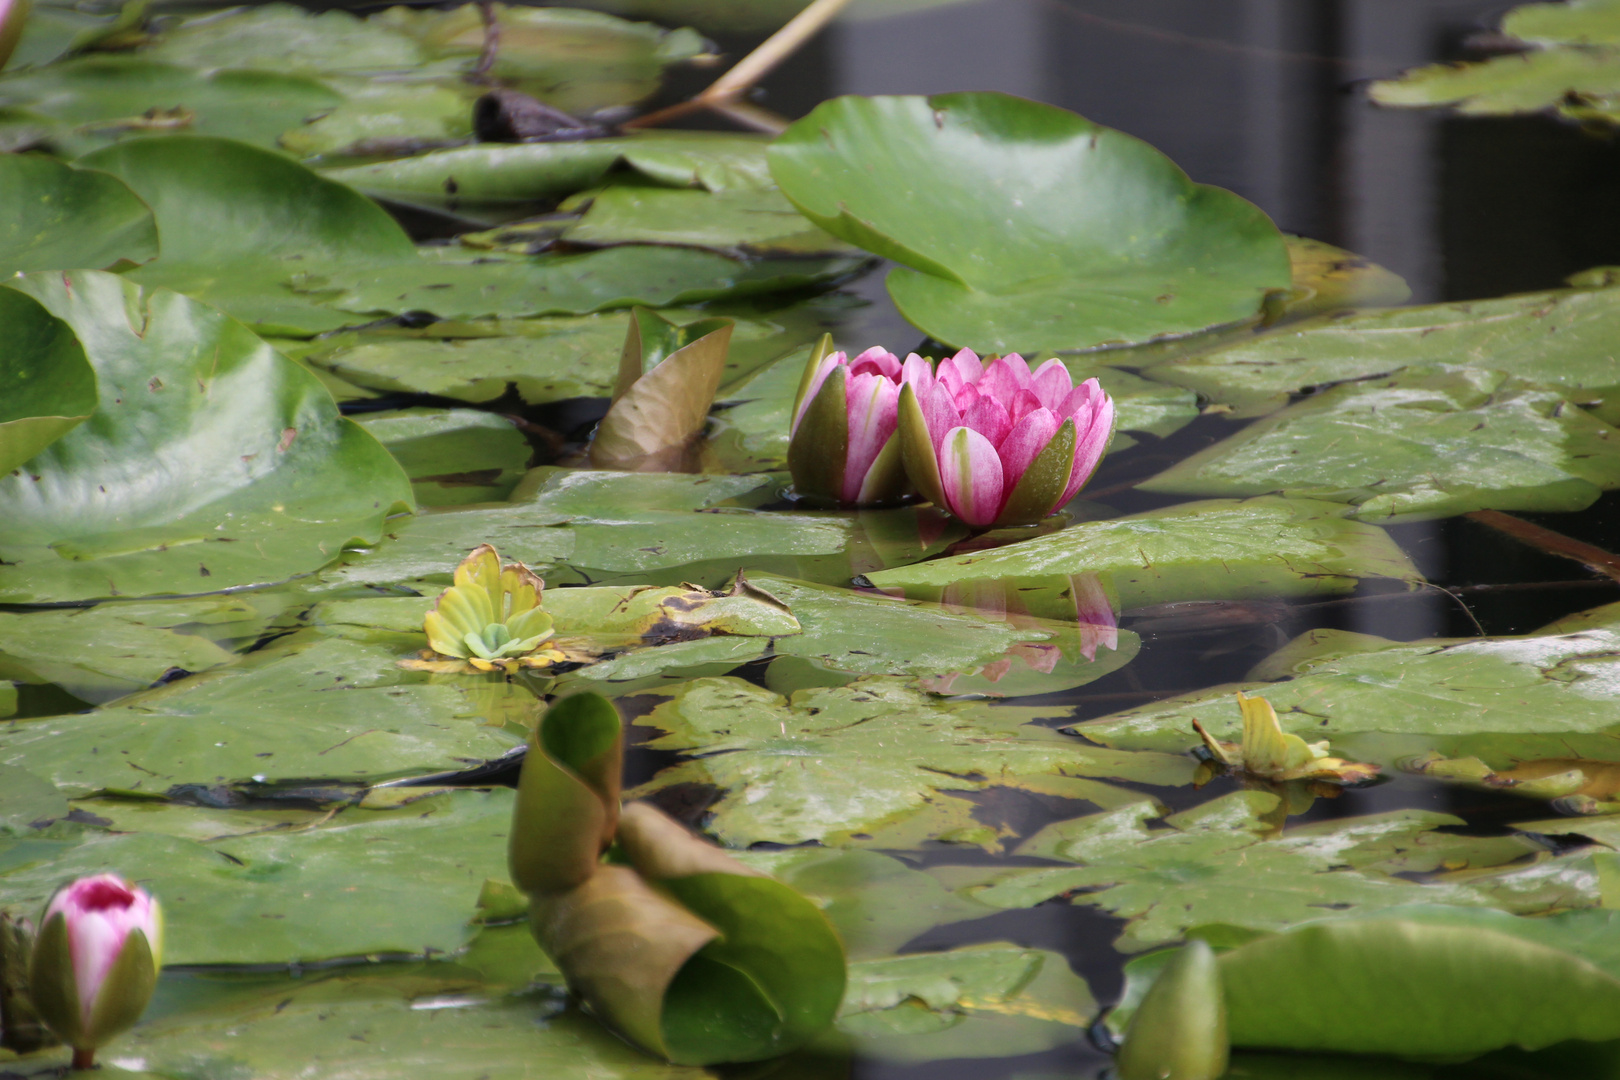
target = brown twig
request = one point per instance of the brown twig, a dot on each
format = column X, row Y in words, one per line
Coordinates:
column 1549, row 542
column 722, row 96
column 492, row 42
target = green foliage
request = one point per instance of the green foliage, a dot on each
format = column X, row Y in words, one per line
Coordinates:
column 1122, row 249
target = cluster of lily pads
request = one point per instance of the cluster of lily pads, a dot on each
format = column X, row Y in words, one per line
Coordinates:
column 835, row 609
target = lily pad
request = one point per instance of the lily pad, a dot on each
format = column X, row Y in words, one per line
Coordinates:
column 101, row 653
column 500, row 181
column 1426, row 442
column 980, row 1001
column 741, row 223
column 1091, row 238
column 95, row 100
column 1214, row 864
column 1214, row 549
column 358, row 718
column 1465, row 697
column 467, row 284
column 453, row 456
column 1583, row 83
column 261, row 485
column 284, row 38
column 1556, row 340
column 238, row 222
column 289, row 896
column 47, row 386
column 835, row 763
column 62, row 218
column 381, row 114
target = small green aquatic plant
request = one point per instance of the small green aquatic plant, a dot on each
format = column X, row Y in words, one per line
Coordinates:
column 491, row 617
column 1270, row 753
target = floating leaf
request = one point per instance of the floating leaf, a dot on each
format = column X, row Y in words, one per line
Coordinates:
column 47, row 386
column 238, row 222
column 833, row 763
column 61, row 218
column 491, row 617
column 91, row 101
column 361, row 719
column 1212, row 864
column 1555, row 340
column 503, row 181
column 668, row 376
column 680, row 948
column 230, row 441
column 1426, row 442
column 979, row 1001
column 453, row 456
column 101, row 653
column 288, row 896
column 740, row 222
column 281, row 37
column 1091, row 238
column 1214, row 549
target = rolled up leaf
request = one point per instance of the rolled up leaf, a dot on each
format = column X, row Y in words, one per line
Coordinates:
column 685, row 951
column 1179, row 1030
column 668, row 376
column 567, row 806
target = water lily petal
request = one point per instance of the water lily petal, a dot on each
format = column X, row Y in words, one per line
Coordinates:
column 963, row 369
column 989, row 418
column 917, row 371
column 878, row 361
column 970, row 473
column 1023, row 403
column 1092, row 433
column 872, row 400
column 1052, row 382
column 939, row 412
column 1004, row 377
column 1023, row 442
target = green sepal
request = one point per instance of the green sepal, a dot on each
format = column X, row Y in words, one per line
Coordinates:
column 819, row 450
column 52, row 983
column 1179, row 1029
column 886, row 481
column 11, row 28
column 917, row 449
column 125, row 992
column 567, row 805
column 822, row 350
column 1035, row 498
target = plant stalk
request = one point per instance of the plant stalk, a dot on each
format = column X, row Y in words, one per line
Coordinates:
column 84, row 1058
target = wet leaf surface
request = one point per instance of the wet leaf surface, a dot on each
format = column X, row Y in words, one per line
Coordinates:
column 1426, row 442
column 1063, row 272
column 58, row 218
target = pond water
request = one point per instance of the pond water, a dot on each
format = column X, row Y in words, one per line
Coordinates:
column 1264, row 97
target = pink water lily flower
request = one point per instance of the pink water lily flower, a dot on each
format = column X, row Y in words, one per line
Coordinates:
column 998, row 444
column 87, row 983
column 842, row 447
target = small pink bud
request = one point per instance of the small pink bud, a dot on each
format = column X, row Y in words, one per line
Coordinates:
column 100, row 912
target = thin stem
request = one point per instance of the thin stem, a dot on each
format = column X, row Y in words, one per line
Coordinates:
column 725, row 90
column 492, row 41
column 1550, row 542
column 84, row 1058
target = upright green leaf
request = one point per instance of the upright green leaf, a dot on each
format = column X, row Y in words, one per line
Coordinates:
column 668, row 376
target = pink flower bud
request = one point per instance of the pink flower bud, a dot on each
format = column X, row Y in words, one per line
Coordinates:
column 100, row 912
column 843, row 447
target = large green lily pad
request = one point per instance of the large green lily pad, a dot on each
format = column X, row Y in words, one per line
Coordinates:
column 453, row 456
column 1215, row 864
column 1558, row 340
column 212, row 462
column 91, row 101
column 238, row 222
column 742, row 222
column 281, row 37
column 1088, row 237
column 57, row 217
column 1214, row 549
column 286, row 896
column 1425, row 442
column 1496, row 698
column 836, row 764
column 308, row 707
